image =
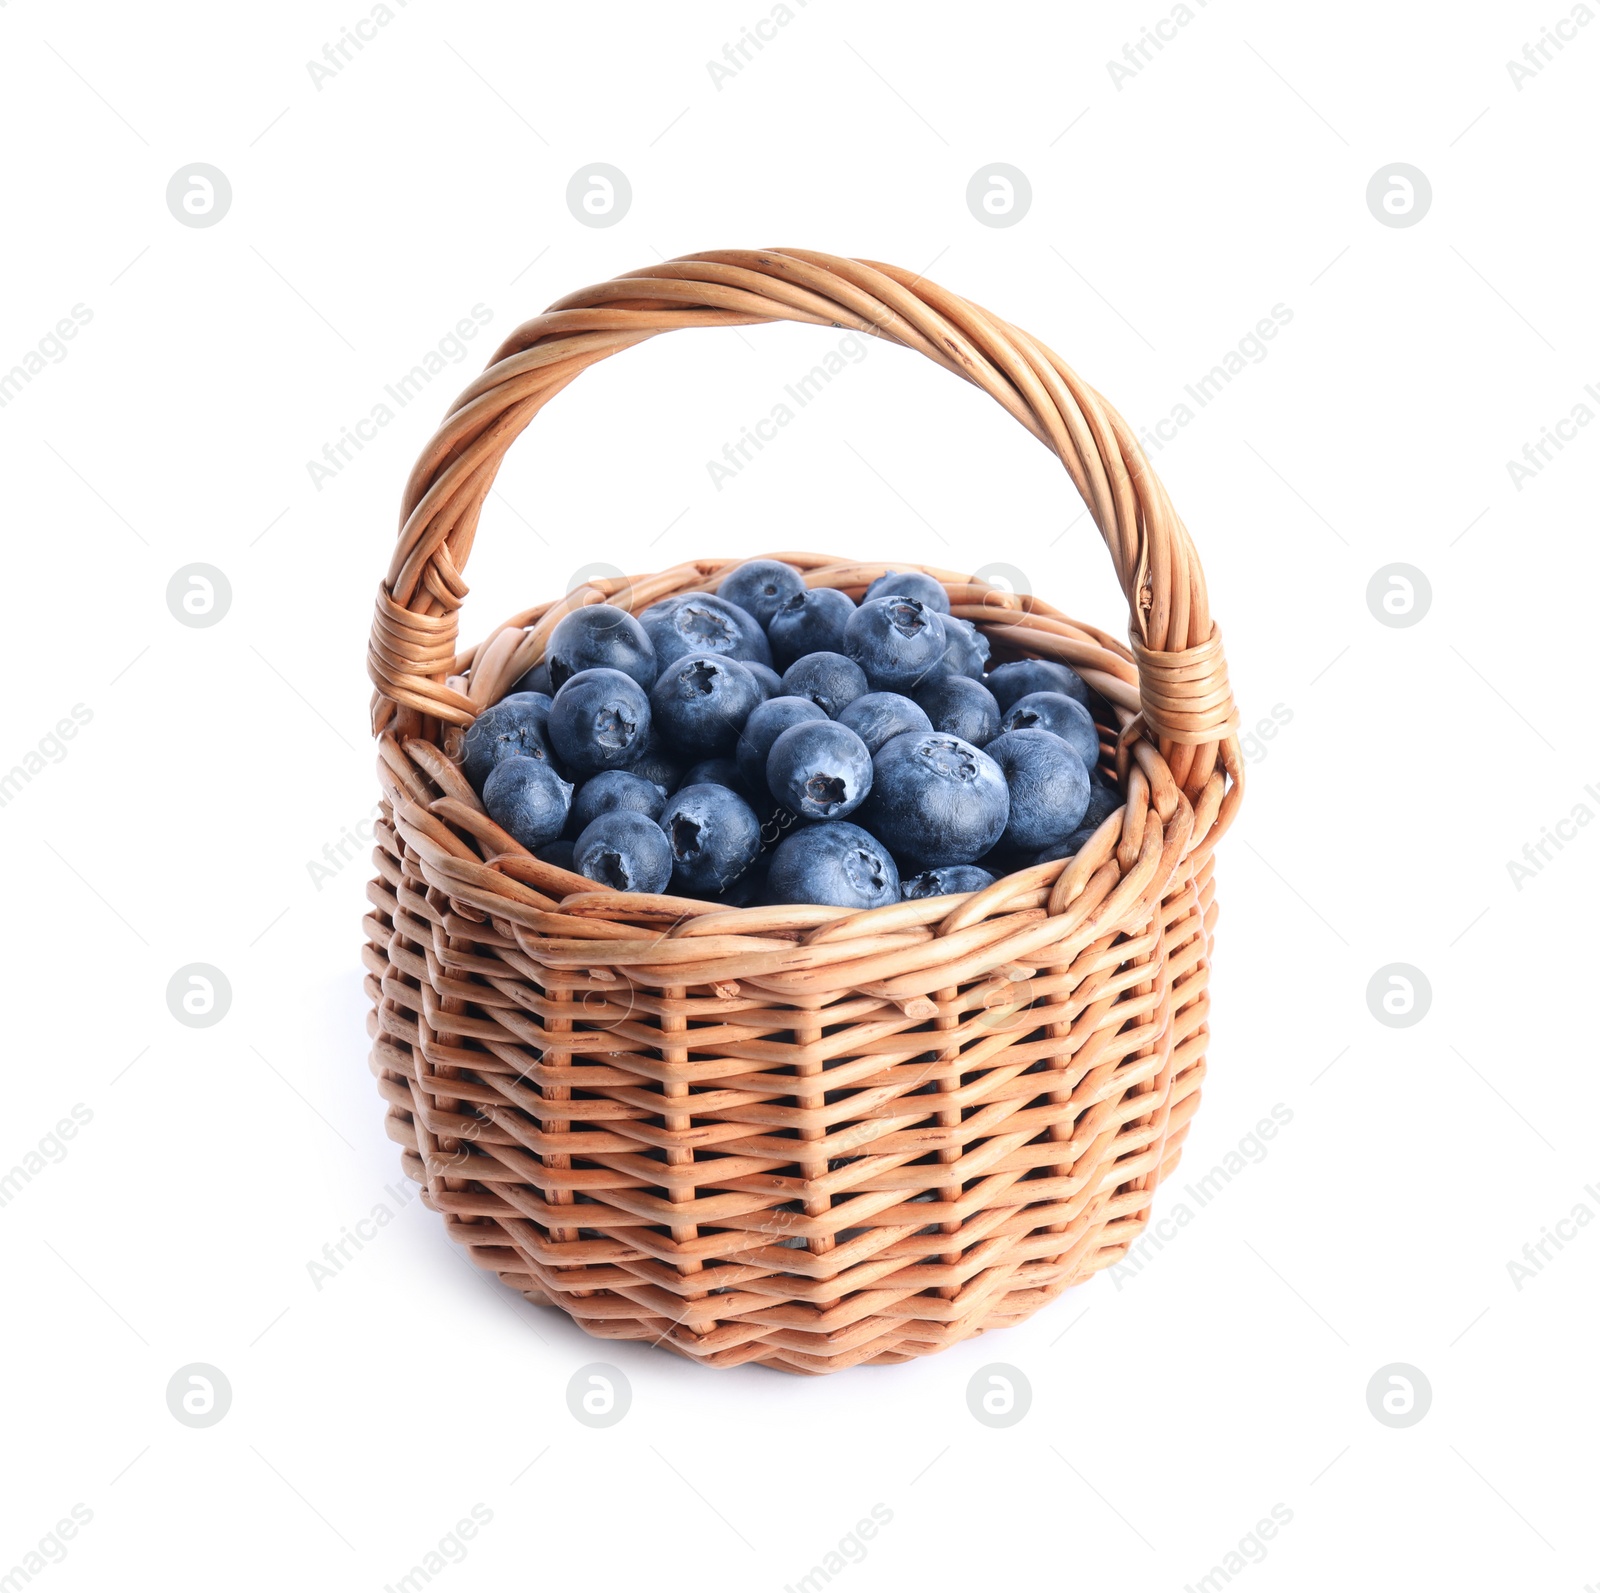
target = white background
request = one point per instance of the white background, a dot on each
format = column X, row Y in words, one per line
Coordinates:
column 428, row 175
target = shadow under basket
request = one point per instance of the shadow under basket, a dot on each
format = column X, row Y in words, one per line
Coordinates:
column 808, row 1137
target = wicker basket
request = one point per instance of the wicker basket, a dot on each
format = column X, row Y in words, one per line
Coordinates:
column 802, row 1136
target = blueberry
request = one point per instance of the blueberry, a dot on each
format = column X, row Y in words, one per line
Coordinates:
column 514, row 727
column 1061, row 716
column 758, row 586
column 1104, row 800
column 897, row 641
column 778, row 822
column 1049, row 788
column 748, row 887
column 715, row 771
column 616, row 789
column 699, row 702
column 1010, row 681
column 881, row 715
column 766, row 678
column 697, row 622
column 936, row 799
column 713, row 834
column 833, row 865
column 966, row 648
column 528, row 800
column 536, row 679
column 820, row 770
column 960, row 706
column 766, row 723
column 1070, row 847
column 945, row 882
column 599, row 720
column 1001, row 859
column 910, row 583
column 600, row 637
column 812, row 621
column 656, row 762
column 830, row 680
column 557, row 853
column 626, row 851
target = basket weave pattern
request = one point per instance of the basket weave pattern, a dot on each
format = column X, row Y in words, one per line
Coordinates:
column 807, row 1137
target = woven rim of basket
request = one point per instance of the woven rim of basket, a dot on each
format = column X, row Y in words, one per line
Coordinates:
column 1178, row 750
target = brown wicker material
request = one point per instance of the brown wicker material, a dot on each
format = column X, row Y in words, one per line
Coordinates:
column 803, row 1136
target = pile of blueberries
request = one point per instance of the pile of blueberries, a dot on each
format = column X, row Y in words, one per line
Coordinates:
column 667, row 752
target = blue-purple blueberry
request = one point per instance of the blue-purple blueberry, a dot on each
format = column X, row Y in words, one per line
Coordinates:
column 812, row 621
column 897, row 641
column 830, row 680
column 748, row 888
column 966, row 648
column 699, row 622
column 1048, row 786
column 714, row 836
column 657, row 762
column 600, row 637
column 715, row 771
column 699, row 702
column 936, row 799
column 600, row 719
column 759, row 586
column 1062, row 716
column 1104, row 800
column 1070, row 847
column 820, row 770
column 767, row 677
column 626, row 851
column 1021, row 676
column 528, row 800
column 833, row 865
column 952, row 881
column 766, row 723
column 910, row 583
column 515, row 727
column 614, row 789
column 535, row 679
column 558, row 854
column 961, row 706
column 880, row 716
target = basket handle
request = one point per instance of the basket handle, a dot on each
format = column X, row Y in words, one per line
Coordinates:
column 1186, row 706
